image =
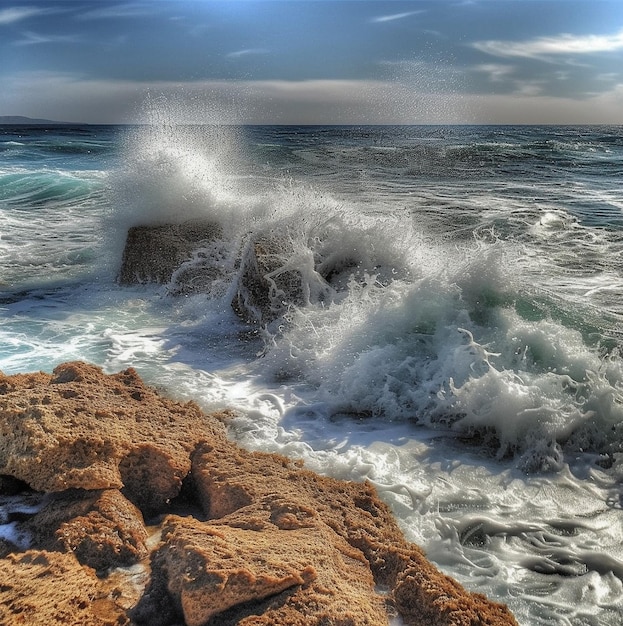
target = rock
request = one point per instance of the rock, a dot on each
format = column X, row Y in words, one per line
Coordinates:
column 266, row 286
column 273, row 574
column 52, row 589
column 246, row 538
column 101, row 528
column 80, row 429
column 274, row 277
column 355, row 514
column 272, row 274
column 154, row 252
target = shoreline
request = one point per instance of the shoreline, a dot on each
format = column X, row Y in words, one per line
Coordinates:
column 153, row 516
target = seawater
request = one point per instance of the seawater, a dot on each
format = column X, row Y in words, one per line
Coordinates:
column 469, row 366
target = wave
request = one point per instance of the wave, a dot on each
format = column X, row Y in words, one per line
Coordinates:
column 412, row 328
column 30, row 189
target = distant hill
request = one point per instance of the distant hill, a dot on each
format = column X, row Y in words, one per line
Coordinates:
column 16, row 120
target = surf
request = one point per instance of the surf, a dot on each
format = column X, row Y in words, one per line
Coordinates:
column 455, row 341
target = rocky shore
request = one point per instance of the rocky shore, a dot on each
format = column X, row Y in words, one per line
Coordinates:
column 123, row 507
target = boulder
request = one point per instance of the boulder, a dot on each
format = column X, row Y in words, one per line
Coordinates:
column 270, row 275
column 354, row 513
column 274, row 277
column 153, row 253
column 101, row 528
column 266, row 286
column 269, row 573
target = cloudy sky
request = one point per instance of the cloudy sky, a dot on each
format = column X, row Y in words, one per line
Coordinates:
column 314, row 61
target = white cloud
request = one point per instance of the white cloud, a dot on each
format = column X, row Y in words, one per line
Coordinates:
column 11, row 15
column 30, row 38
column 528, row 88
column 497, row 72
column 394, row 16
column 246, row 52
column 609, row 76
column 547, row 47
column 131, row 9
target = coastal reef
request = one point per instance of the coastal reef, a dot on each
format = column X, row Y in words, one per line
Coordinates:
column 123, row 507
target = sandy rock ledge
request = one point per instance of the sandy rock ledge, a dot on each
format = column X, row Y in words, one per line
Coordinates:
column 146, row 514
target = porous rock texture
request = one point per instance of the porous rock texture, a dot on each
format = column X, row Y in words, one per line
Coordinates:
column 233, row 537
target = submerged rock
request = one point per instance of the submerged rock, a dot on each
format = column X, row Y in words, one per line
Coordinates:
column 235, row 537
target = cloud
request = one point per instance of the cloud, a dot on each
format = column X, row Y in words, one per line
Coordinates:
column 546, row 47
column 11, row 15
column 603, row 108
column 528, row 88
column 395, row 16
column 497, row 72
column 73, row 98
column 30, row 38
column 130, row 9
column 246, row 52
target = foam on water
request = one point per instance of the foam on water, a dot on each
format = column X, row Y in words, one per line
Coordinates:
column 472, row 376
column 443, row 334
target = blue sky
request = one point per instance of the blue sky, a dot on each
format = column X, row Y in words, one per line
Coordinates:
column 314, row 61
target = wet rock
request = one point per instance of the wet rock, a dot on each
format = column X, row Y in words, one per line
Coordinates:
column 267, row 286
column 153, row 253
column 271, row 272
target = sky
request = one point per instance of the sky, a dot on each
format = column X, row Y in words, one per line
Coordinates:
column 313, row 61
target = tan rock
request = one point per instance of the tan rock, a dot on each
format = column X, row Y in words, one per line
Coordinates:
column 211, row 569
column 101, row 528
column 263, row 541
column 81, row 429
column 52, row 589
column 421, row 594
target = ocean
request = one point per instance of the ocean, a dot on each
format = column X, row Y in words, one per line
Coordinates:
column 468, row 363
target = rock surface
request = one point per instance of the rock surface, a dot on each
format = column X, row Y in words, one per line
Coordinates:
column 153, row 253
column 266, row 287
column 268, row 272
column 234, row 537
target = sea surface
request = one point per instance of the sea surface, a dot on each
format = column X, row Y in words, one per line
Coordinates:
column 469, row 365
